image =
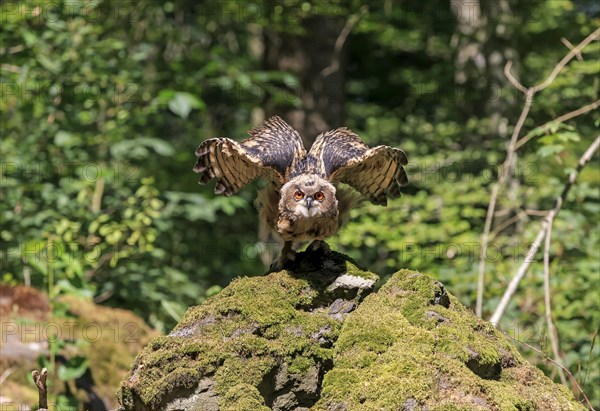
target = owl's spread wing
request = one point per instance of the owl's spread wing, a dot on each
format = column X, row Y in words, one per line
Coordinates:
column 377, row 173
column 270, row 152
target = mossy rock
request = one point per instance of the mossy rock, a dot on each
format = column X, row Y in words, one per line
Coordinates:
column 413, row 346
column 261, row 343
column 306, row 338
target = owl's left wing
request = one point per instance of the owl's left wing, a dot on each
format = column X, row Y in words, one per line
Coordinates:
column 270, row 152
column 377, row 173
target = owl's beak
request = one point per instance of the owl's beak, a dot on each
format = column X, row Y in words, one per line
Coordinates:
column 308, row 202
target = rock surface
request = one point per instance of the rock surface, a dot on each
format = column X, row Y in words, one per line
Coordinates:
column 306, row 338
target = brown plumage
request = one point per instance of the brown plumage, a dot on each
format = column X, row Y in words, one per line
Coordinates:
column 304, row 200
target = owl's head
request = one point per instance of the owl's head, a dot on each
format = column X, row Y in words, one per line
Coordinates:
column 309, row 196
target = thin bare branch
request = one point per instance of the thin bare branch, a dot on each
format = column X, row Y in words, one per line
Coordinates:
column 341, row 40
column 541, row 213
column 489, row 218
column 514, row 283
column 561, row 64
column 587, row 370
column 96, row 204
column 7, row 372
column 12, row 50
column 547, row 301
column 10, row 68
column 516, row 84
column 570, row 46
column 520, row 215
column 484, row 245
column 39, row 378
column 572, row 377
column 508, row 162
column 502, row 213
column 558, row 120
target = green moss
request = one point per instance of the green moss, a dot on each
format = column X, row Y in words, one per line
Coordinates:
column 238, row 338
column 413, row 342
column 353, row 269
column 300, row 365
column 243, row 397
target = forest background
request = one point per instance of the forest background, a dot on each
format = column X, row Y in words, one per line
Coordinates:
column 103, row 104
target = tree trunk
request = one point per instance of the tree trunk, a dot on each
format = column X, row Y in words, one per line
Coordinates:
column 482, row 49
column 306, row 56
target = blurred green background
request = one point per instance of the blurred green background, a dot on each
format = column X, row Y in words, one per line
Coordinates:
column 103, row 104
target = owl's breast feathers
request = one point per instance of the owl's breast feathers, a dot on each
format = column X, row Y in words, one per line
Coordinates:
column 292, row 228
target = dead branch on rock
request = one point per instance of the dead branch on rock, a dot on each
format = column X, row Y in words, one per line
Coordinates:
column 39, row 378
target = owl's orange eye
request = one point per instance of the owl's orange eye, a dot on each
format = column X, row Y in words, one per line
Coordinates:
column 298, row 195
column 319, row 196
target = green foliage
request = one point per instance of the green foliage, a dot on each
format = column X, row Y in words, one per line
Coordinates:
column 104, row 103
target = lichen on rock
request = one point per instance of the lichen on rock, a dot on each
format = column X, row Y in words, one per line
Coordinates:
column 306, row 338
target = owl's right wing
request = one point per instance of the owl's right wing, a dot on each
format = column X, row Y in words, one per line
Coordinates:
column 270, row 152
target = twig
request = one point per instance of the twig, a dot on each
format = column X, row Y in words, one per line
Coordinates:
column 587, row 370
column 40, row 381
column 573, row 379
column 521, row 214
column 541, row 213
column 96, row 204
column 572, row 53
column 570, row 46
column 558, row 120
column 503, row 212
column 341, row 40
column 506, row 167
column 99, row 264
column 504, row 171
column 10, row 68
column 514, row 283
column 547, row 302
column 516, row 84
column 507, row 223
column 12, row 50
column 7, row 372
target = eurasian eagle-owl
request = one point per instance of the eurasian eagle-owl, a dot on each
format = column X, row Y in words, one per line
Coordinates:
column 304, row 200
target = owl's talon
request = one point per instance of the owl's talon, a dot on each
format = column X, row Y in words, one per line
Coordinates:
column 319, row 245
column 283, row 259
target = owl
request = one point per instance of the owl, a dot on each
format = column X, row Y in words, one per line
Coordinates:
column 309, row 194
